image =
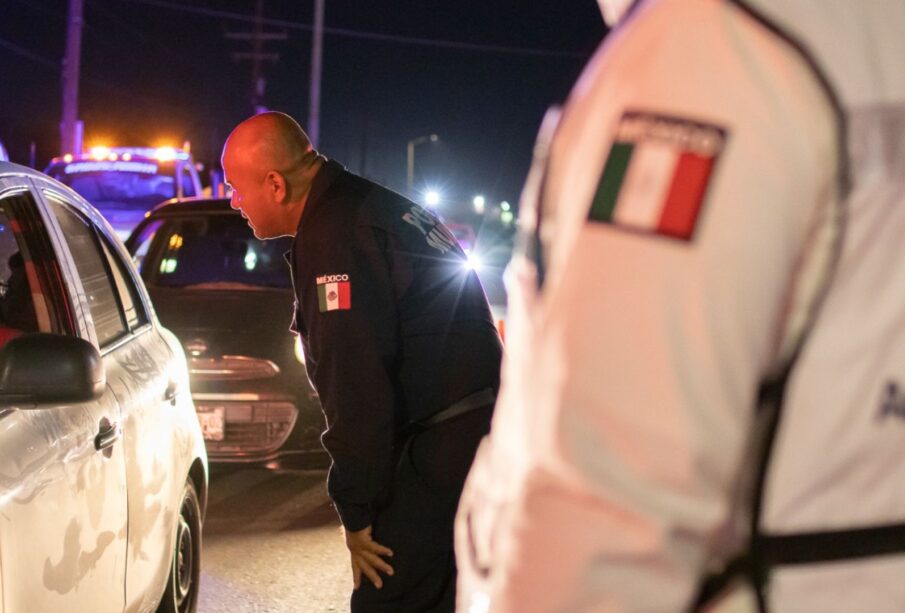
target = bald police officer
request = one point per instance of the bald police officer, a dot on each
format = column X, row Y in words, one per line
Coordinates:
column 399, row 343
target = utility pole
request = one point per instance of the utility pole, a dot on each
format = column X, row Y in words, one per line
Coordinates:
column 363, row 154
column 410, row 159
column 314, row 99
column 70, row 126
column 257, row 55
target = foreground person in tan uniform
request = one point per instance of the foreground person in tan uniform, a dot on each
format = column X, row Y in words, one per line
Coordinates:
column 704, row 391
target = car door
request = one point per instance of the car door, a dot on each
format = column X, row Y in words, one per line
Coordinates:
column 63, row 508
column 151, row 386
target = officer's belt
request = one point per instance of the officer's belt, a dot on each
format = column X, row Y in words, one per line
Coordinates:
column 472, row 402
column 833, row 545
column 773, row 550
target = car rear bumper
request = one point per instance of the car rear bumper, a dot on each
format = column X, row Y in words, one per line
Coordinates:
column 253, row 428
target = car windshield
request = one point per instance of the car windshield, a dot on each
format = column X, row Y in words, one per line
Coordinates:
column 120, row 187
column 214, row 252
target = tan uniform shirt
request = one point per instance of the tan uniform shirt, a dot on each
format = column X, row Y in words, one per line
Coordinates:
column 691, row 212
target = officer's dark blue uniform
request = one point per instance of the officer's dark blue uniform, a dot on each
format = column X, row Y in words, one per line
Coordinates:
column 402, row 349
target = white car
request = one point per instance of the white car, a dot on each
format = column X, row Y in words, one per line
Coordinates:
column 103, row 472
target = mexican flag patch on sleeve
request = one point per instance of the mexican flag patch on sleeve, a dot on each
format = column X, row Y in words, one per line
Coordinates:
column 334, row 293
column 656, row 174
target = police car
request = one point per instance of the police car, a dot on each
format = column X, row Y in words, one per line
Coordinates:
column 124, row 183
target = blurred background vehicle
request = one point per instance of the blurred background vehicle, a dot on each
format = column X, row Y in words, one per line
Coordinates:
column 228, row 297
column 103, row 472
column 124, row 183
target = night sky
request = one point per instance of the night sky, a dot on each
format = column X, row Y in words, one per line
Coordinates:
column 157, row 71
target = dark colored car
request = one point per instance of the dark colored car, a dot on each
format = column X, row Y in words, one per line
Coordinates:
column 228, row 297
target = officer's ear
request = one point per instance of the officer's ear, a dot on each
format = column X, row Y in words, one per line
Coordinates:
column 276, row 186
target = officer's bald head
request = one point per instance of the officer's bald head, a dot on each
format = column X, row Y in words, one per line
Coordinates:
column 269, row 141
column 270, row 165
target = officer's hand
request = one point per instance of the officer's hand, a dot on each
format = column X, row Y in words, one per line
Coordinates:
column 366, row 558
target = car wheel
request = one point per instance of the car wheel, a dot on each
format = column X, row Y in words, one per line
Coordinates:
column 181, row 594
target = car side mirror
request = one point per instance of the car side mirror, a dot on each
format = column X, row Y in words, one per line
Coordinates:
column 51, row 368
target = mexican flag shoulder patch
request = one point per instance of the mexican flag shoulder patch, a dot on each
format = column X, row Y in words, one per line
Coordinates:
column 334, row 292
column 657, row 173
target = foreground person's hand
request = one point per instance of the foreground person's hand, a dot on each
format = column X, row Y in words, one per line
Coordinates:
column 365, row 553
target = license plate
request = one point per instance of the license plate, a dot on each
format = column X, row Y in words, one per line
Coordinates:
column 211, row 421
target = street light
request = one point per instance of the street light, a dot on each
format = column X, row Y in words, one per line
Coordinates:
column 479, row 202
column 432, row 197
column 410, row 157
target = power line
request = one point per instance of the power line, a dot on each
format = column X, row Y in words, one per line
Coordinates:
column 96, row 35
column 40, row 8
column 136, row 99
column 34, row 57
column 389, row 38
column 97, row 8
column 449, row 44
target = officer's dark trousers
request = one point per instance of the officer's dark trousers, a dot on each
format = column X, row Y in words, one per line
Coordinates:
column 417, row 519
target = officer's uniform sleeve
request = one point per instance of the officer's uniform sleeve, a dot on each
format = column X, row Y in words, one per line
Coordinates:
column 630, row 378
column 350, row 316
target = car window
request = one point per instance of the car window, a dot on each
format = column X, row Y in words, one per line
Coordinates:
column 17, row 279
column 104, row 184
column 140, row 244
column 129, row 297
column 97, row 280
column 46, row 289
column 215, row 251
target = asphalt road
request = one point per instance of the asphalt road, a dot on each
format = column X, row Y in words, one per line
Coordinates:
column 272, row 544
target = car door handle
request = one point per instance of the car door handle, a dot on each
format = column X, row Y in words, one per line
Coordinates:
column 169, row 394
column 107, row 435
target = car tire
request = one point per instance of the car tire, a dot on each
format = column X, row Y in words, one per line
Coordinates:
column 181, row 594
